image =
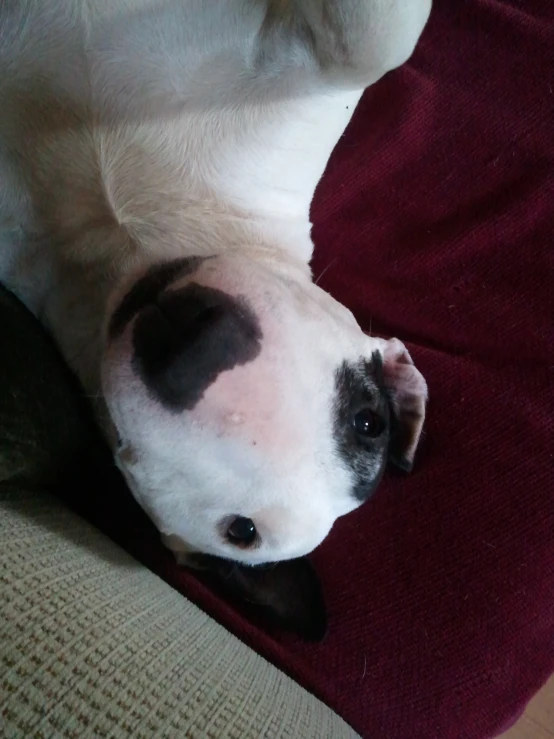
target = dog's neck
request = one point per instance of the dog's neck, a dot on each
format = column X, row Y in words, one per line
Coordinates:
column 117, row 202
column 151, row 182
column 87, row 268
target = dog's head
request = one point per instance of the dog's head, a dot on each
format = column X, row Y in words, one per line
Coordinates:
column 251, row 410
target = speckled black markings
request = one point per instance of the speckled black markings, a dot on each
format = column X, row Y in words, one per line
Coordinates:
column 147, row 289
column 359, row 385
column 185, row 338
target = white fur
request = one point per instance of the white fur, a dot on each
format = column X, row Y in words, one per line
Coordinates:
column 138, row 131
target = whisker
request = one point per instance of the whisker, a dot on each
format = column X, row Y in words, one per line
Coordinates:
column 331, row 263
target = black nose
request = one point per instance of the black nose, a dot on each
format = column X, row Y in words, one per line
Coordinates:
column 185, row 338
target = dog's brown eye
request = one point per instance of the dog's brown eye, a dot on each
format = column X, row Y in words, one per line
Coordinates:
column 241, row 531
column 368, row 424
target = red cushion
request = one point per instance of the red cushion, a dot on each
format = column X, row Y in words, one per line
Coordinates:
column 434, row 223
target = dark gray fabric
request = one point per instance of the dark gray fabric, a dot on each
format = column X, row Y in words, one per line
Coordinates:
column 47, row 434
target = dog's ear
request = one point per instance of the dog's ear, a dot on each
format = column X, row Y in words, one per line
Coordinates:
column 288, row 593
column 407, row 391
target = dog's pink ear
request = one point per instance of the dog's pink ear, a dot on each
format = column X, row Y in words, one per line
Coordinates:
column 408, row 393
column 287, row 593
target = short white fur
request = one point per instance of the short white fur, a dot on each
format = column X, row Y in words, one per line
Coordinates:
column 139, row 131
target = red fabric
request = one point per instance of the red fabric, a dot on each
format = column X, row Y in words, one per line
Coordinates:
column 434, row 223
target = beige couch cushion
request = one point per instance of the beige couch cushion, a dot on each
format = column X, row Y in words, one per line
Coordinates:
column 92, row 644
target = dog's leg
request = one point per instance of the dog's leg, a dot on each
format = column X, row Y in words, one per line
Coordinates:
column 350, row 43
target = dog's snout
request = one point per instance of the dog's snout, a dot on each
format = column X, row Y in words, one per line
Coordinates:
column 185, row 338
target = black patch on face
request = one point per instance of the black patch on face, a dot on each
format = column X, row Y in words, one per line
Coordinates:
column 360, row 385
column 183, row 340
column 147, row 289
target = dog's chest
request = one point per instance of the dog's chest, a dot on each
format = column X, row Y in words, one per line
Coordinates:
column 116, row 117
column 161, row 95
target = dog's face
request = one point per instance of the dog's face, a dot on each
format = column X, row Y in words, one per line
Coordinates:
column 251, row 409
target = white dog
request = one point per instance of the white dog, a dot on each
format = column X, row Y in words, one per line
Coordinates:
column 158, row 159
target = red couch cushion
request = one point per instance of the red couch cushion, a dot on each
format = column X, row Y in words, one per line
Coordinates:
column 434, row 223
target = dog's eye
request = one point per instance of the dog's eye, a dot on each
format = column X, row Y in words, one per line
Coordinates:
column 368, row 424
column 241, row 531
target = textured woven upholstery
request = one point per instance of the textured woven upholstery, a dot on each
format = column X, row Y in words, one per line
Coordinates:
column 92, row 644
